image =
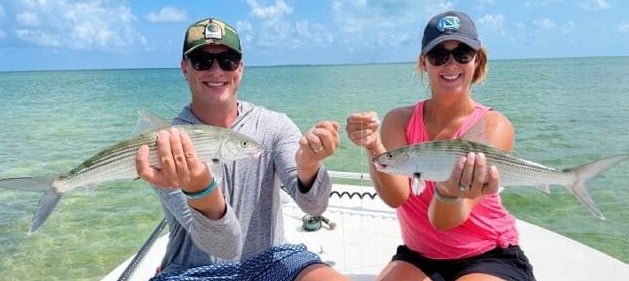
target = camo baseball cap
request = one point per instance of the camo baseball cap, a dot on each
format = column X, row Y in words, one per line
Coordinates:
column 451, row 25
column 210, row 31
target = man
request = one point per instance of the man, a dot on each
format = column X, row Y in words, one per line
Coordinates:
column 230, row 224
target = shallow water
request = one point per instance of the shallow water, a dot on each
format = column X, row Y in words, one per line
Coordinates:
column 566, row 112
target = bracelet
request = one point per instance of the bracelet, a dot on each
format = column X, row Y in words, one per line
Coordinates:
column 202, row 193
column 445, row 199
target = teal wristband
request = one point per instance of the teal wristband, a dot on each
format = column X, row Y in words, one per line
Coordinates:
column 202, row 193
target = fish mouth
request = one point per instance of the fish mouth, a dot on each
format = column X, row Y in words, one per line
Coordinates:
column 380, row 166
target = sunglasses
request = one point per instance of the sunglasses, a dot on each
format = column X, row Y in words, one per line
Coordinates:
column 227, row 61
column 462, row 54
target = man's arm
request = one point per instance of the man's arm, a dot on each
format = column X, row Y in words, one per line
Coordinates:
column 299, row 163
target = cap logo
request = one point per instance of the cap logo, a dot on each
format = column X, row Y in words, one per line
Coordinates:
column 449, row 23
column 213, row 31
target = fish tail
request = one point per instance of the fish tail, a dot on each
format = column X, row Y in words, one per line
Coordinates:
column 586, row 172
column 48, row 201
column 33, row 184
column 47, row 204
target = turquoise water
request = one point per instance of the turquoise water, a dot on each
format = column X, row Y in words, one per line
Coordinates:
column 566, row 112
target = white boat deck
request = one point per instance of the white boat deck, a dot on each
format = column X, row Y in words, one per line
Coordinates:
column 367, row 234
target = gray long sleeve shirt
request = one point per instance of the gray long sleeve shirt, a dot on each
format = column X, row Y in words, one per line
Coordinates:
column 253, row 220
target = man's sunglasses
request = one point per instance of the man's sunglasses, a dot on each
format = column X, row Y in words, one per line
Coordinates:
column 228, row 61
column 462, row 54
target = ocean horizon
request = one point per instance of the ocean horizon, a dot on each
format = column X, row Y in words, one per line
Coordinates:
column 176, row 66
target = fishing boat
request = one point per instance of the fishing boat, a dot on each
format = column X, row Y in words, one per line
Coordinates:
column 358, row 234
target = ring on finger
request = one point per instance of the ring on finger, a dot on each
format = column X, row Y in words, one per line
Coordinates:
column 464, row 187
column 317, row 150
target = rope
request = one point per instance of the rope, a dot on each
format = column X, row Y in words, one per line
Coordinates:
column 351, row 195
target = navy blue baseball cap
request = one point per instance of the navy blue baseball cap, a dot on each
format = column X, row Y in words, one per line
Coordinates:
column 450, row 25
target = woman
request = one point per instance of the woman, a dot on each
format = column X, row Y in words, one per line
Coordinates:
column 456, row 229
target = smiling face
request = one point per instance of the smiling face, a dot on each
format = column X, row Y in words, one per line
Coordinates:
column 213, row 86
column 451, row 76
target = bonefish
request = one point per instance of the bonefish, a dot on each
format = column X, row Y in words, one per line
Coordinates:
column 434, row 160
column 117, row 162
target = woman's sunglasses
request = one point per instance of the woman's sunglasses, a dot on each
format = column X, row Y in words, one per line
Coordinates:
column 227, row 61
column 462, row 54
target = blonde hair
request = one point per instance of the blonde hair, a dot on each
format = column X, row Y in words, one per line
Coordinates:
column 480, row 72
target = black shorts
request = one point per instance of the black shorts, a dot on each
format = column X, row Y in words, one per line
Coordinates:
column 509, row 264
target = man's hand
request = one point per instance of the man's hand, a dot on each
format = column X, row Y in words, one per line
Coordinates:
column 179, row 166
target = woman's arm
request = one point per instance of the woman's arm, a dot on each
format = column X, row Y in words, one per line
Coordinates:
column 362, row 129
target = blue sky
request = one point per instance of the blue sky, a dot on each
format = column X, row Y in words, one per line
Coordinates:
column 97, row 34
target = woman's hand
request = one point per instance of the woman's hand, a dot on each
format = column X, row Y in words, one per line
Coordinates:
column 470, row 178
column 362, row 130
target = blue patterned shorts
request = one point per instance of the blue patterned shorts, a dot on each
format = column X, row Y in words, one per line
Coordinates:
column 276, row 263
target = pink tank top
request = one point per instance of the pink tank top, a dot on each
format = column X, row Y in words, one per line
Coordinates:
column 488, row 226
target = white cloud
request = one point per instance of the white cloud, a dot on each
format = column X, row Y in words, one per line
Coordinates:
column 442, row 7
column 39, row 37
column 316, row 33
column 624, row 27
column 245, row 31
column 595, row 5
column 519, row 33
column 1, row 12
column 276, row 33
column 373, row 15
column 494, row 23
column 568, row 27
column 86, row 24
column 362, row 24
column 545, row 23
column 272, row 29
column 271, row 12
column 383, row 23
column 167, row 14
column 27, row 19
column 540, row 3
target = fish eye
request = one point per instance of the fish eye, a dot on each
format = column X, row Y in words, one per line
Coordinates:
column 244, row 143
column 389, row 155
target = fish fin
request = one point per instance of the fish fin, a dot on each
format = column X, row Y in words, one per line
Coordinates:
column 32, row 184
column 501, row 189
column 47, row 204
column 586, row 172
column 89, row 189
column 543, row 188
column 148, row 121
column 216, row 168
column 476, row 133
column 418, row 185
